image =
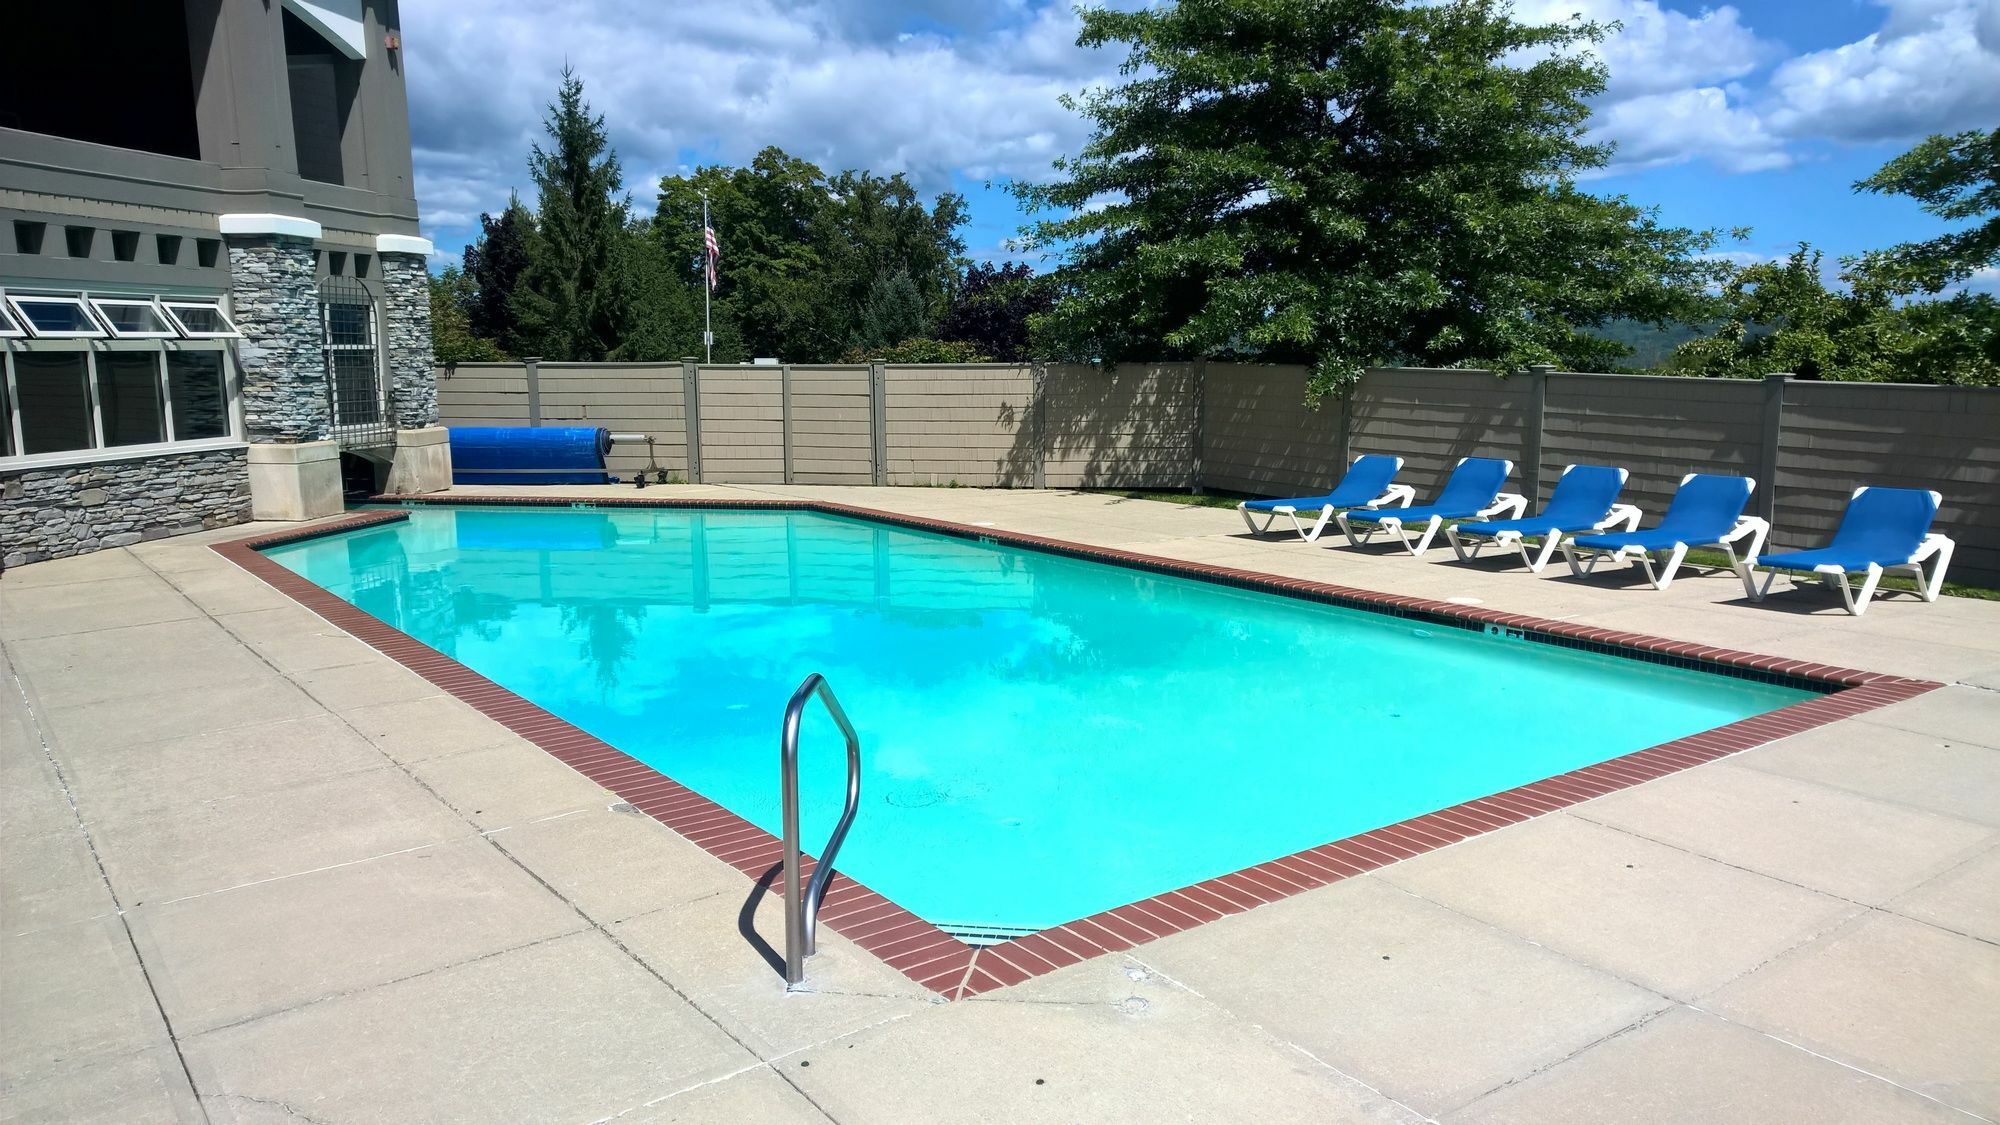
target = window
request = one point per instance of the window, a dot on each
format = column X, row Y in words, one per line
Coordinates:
column 66, row 390
column 199, row 395
column 52, row 390
column 55, row 318
column 128, row 398
column 200, row 320
column 132, row 319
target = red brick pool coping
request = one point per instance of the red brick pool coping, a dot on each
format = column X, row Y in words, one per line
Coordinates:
column 942, row 963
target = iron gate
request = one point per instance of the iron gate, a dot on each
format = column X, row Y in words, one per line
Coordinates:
column 354, row 386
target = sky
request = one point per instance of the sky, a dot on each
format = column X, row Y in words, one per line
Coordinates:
column 1760, row 113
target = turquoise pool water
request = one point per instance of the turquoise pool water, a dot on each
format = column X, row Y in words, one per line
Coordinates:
column 1044, row 737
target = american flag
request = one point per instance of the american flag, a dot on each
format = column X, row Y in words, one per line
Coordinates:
column 710, row 253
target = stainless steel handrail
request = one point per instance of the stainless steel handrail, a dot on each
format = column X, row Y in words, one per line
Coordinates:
column 802, row 910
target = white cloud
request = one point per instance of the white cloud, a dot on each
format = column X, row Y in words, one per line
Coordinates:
column 1668, row 128
column 1933, row 68
column 1668, row 96
column 846, row 83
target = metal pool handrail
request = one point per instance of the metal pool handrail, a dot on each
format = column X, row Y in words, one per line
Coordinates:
column 802, row 910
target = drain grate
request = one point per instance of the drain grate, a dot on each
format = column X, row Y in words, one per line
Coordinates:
column 984, row 933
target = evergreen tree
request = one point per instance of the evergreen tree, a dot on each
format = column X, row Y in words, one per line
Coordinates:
column 574, row 300
column 493, row 267
column 892, row 313
column 1349, row 182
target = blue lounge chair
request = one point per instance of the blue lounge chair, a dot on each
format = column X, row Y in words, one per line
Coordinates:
column 1366, row 485
column 1585, row 499
column 1707, row 511
column 1883, row 529
column 1472, row 491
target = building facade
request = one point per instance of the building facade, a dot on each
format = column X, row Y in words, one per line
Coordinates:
column 213, row 292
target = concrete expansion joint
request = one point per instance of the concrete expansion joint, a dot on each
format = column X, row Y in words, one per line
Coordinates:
column 1607, row 1037
column 1837, row 1062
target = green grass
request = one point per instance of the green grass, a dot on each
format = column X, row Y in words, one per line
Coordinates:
column 1697, row 557
column 1169, row 496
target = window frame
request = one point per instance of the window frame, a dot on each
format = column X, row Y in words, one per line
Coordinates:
column 10, row 328
column 168, row 329
column 14, row 300
column 171, row 307
column 92, row 348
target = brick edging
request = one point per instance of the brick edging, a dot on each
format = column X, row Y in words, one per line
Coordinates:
column 943, row 964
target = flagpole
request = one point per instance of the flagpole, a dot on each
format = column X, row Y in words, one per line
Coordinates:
column 707, row 289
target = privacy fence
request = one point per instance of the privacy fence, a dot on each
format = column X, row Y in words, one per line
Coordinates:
column 1246, row 428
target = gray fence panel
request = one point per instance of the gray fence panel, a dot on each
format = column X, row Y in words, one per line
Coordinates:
column 1839, row 436
column 1130, row 427
column 1432, row 418
column 1258, row 434
column 966, row 424
column 1660, row 428
column 831, row 413
column 742, row 425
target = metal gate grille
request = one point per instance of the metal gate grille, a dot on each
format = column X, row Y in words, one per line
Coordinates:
column 353, row 364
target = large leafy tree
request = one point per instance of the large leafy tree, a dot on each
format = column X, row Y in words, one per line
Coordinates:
column 991, row 306
column 1956, row 177
column 1349, row 182
column 1782, row 316
column 573, row 300
column 452, row 293
column 803, row 253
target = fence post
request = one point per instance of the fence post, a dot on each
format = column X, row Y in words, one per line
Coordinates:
column 1532, row 428
column 785, row 415
column 1197, row 424
column 1038, row 408
column 532, row 363
column 1343, row 438
column 878, row 419
column 1767, row 463
column 691, row 414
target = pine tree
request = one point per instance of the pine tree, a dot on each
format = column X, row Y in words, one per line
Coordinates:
column 893, row 313
column 574, row 298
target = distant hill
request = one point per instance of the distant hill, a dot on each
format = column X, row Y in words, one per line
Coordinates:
column 1650, row 346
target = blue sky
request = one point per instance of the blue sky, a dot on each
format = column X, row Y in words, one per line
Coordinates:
column 1760, row 113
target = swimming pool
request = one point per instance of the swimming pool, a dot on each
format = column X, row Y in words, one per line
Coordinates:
column 1045, row 737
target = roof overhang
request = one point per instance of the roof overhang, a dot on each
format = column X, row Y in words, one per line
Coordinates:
column 338, row 20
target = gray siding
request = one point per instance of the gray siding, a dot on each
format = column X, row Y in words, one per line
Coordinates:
column 1258, row 434
column 968, row 424
column 1838, row 436
column 1433, row 418
column 832, row 442
column 1130, row 427
column 742, row 425
column 1659, row 428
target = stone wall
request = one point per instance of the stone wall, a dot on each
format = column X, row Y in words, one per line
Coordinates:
column 56, row 512
column 406, row 339
column 275, row 301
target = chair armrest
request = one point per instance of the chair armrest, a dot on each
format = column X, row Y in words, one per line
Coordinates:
column 1627, row 514
column 1510, row 502
column 1756, row 527
column 1933, row 543
column 1400, row 495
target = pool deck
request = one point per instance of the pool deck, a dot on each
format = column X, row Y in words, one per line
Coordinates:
column 252, row 870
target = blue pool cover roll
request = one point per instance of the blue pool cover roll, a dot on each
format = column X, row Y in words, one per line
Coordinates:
column 571, row 454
